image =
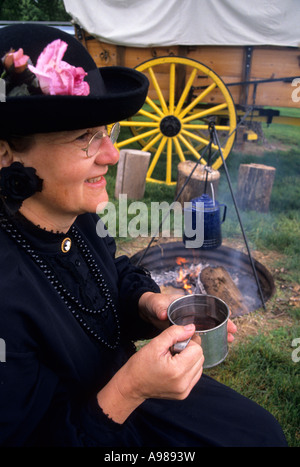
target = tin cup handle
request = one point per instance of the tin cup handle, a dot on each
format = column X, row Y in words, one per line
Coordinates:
column 179, row 346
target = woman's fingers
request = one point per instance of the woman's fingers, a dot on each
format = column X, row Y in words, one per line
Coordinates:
column 231, row 329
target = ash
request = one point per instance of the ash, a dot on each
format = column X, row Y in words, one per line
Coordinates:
column 187, row 276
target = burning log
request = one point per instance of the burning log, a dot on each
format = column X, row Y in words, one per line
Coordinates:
column 218, row 282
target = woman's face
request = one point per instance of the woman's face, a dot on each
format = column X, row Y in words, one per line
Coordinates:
column 72, row 182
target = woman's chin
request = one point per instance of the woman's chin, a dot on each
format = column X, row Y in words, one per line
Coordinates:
column 100, row 203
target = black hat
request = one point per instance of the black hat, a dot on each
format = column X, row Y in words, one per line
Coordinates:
column 115, row 93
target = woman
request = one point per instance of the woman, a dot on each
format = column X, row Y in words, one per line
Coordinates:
column 70, row 310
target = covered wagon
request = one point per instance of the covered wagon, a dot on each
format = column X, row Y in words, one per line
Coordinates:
column 207, row 61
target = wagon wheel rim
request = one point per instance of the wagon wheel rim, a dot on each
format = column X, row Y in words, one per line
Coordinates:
column 168, row 125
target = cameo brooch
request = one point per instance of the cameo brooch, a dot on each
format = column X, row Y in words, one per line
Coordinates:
column 66, row 245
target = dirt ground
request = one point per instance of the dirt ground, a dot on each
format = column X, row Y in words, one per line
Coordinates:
column 287, row 295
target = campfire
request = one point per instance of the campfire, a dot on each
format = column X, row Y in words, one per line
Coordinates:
column 188, row 276
column 204, row 279
column 223, row 272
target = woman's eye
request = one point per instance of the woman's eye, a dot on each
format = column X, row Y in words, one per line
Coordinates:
column 83, row 137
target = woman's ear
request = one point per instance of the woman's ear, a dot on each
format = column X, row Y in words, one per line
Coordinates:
column 6, row 155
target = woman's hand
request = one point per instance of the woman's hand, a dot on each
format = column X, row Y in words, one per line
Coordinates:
column 153, row 372
column 153, row 307
column 231, row 330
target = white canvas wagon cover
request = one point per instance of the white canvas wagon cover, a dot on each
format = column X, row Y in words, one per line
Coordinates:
column 147, row 23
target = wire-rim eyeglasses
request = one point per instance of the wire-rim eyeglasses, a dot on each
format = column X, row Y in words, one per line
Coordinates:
column 96, row 140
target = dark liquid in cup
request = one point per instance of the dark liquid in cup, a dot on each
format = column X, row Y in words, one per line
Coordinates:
column 202, row 324
column 206, row 323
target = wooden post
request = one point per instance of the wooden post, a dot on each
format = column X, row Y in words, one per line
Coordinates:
column 131, row 173
column 255, row 182
column 196, row 184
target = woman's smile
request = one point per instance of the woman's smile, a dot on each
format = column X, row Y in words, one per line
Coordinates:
column 100, row 180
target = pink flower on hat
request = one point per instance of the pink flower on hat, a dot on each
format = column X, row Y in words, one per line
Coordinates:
column 16, row 59
column 57, row 77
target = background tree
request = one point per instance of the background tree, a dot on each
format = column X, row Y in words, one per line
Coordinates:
column 33, row 10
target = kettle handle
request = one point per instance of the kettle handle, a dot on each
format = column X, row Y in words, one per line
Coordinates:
column 224, row 212
column 213, row 193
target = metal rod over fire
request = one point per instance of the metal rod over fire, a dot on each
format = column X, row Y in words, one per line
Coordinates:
column 216, row 138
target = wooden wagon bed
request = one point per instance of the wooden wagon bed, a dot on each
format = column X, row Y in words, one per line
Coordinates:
column 206, row 63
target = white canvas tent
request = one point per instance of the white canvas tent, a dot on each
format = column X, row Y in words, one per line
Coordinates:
column 147, row 23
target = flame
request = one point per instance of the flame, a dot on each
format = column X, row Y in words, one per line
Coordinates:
column 179, row 260
column 186, row 274
column 182, row 278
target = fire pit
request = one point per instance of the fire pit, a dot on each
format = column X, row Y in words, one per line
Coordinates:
column 223, row 272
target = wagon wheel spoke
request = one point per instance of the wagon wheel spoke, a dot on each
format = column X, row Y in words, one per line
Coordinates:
column 184, row 97
column 158, row 91
column 156, row 157
column 140, row 124
column 197, row 100
column 189, row 146
column 172, row 89
column 149, row 115
column 201, row 134
column 199, row 138
column 203, row 113
column 169, row 161
column 151, row 143
column 179, row 149
column 154, row 106
column 186, row 91
column 137, row 138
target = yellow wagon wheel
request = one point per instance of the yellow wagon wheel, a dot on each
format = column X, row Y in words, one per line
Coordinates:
column 184, row 97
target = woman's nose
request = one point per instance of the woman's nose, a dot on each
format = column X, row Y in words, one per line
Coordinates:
column 107, row 154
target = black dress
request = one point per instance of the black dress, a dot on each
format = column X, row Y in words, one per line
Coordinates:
column 68, row 316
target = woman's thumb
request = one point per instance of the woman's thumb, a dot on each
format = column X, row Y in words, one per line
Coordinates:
column 174, row 334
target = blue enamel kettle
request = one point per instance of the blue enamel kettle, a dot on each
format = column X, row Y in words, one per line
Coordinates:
column 211, row 218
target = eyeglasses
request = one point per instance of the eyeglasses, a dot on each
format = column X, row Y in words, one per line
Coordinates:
column 96, row 140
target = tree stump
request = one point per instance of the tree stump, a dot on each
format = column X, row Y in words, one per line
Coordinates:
column 196, row 185
column 218, row 282
column 131, row 173
column 255, row 182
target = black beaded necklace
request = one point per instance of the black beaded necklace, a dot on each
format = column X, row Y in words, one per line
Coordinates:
column 72, row 303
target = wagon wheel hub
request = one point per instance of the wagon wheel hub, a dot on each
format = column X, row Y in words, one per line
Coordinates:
column 170, row 126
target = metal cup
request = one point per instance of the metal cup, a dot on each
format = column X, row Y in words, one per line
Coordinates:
column 210, row 315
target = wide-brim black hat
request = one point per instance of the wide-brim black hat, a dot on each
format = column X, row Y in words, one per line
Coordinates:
column 116, row 93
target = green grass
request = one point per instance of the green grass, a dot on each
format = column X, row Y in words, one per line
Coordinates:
column 279, row 229
column 262, row 369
